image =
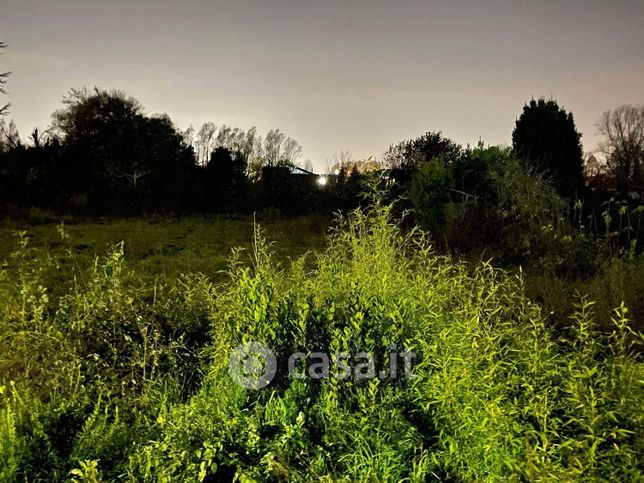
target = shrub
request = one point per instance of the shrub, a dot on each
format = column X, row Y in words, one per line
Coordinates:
column 83, row 367
column 429, row 193
column 494, row 394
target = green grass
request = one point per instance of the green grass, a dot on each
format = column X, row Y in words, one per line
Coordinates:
column 163, row 248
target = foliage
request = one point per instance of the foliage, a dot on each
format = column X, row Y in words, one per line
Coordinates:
column 404, row 159
column 114, row 367
column 545, row 136
column 495, row 394
column 410, row 154
column 79, row 371
column 118, row 154
column 430, row 192
column 105, row 380
column 500, row 211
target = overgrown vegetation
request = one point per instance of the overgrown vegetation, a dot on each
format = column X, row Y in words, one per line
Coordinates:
column 120, row 380
column 521, row 304
column 488, row 205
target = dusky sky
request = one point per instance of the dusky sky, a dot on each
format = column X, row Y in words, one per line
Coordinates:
column 353, row 75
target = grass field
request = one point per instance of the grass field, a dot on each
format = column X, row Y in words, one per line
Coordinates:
column 159, row 249
column 162, row 248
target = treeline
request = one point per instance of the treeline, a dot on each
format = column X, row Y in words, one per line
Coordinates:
column 103, row 155
column 533, row 201
column 530, row 206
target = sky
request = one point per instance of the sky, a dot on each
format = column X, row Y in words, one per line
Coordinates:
column 337, row 75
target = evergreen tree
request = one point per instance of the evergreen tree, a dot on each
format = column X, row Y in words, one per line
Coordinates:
column 546, row 138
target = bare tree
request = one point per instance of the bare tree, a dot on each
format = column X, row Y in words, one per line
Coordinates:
column 205, row 142
column 291, row 151
column 623, row 146
column 280, row 150
column 593, row 166
column 273, row 147
column 343, row 157
column 3, row 83
column 132, row 177
column 308, row 165
column 224, row 137
column 254, row 153
column 339, row 161
column 188, row 136
column 249, row 150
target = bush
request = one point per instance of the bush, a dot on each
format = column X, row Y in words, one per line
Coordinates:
column 430, row 192
column 81, row 372
column 494, row 393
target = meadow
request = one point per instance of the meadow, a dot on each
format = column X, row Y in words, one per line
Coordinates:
column 115, row 358
column 162, row 247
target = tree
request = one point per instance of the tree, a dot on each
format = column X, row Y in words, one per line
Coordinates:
column 342, row 161
column 546, row 138
column 308, row 165
column 623, row 146
column 251, row 149
column 410, row 155
column 226, row 178
column 205, row 142
column 3, row 82
column 9, row 136
column 87, row 114
column 280, row 150
column 405, row 158
column 273, row 147
column 117, row 153
column 291, row 151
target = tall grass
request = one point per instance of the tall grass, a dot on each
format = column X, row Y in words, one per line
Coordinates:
column 495, row 394
column 142, row 393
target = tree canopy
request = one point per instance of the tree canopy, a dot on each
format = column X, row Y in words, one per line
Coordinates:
column 410, row 154
column 114, row 147
column 546, row 138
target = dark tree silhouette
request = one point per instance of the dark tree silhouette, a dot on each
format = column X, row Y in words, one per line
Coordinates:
column 103, row 154
column 119, row 155
column 546, row 138
column 405, row 158
column 226, row 180
column 411, row 154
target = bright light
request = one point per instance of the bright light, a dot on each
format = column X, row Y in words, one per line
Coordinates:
column 322, row 180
